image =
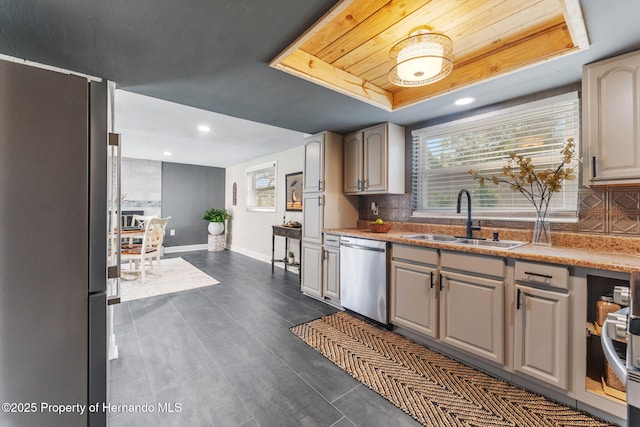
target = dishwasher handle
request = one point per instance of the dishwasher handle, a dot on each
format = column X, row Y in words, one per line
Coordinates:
column 365, row 248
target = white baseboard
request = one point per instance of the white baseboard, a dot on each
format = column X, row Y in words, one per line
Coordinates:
column 251, row 254
column 258, row 256
column 186, row 248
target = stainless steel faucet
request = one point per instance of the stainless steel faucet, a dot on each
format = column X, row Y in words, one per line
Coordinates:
column 470, row 228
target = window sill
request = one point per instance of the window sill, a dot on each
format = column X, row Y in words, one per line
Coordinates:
column 566, row 218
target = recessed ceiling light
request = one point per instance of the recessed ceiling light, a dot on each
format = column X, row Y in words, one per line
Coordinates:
column 166, row 153
column 204, row 128
column 464, row 101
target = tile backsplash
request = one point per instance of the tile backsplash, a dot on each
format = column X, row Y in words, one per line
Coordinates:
column 603, row 210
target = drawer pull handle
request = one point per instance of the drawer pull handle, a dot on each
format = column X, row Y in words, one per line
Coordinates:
column 518, row 300
column 546, row 276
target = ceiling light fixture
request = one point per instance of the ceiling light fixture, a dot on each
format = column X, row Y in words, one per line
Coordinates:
column 166, row 153
column 464, row 101
column 422, row 58
column 204, row 128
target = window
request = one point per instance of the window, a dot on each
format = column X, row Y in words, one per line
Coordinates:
column 261, row 188
column 443, row 154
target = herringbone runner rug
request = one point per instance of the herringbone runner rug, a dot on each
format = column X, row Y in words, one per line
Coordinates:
column 432, row 388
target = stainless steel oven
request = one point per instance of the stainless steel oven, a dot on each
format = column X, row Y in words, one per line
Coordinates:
column 624, row 325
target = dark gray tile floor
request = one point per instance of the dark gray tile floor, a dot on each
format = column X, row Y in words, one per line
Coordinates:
column 225, row 354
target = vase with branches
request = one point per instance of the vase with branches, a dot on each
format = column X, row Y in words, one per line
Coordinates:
column 536, row 185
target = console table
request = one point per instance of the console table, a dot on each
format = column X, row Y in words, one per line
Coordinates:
column 287, row 233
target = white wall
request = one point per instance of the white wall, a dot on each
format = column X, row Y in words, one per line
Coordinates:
column 250, row 232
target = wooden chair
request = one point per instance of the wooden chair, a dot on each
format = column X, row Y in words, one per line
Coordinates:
column 141, row 257
column 137, row 220
column 141, row 220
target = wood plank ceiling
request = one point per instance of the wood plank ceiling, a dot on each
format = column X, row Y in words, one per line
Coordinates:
column 347, row 50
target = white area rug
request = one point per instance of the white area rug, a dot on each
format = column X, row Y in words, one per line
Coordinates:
column 177, row 275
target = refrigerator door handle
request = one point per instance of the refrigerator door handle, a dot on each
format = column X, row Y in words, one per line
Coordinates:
column 113, row 269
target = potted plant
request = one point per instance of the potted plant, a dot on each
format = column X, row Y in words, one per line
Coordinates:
column 216, row 218
column 291, row 257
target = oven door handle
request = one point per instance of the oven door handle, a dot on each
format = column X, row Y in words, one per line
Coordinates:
column 618, row 366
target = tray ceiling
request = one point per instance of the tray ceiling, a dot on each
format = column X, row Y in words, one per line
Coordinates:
column 347, row 50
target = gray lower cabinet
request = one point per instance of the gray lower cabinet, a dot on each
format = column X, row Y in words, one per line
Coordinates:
column 331, row 273
column 541, row 325
column 414, row 292
column 541, row 334
column 472, row 304
column 472, row 315
column 312, row 269
column 321, row 269
column 462, row 303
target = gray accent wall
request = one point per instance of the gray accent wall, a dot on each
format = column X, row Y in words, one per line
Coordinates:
column 188, row 191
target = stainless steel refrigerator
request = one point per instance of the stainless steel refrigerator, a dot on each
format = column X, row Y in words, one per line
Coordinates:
column 53, row 132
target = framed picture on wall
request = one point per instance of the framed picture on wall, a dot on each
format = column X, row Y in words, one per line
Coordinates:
column 293, row 190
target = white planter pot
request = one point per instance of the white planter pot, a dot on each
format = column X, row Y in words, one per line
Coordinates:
column 216, row 228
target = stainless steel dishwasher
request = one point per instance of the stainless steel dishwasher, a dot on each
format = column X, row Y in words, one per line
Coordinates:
column 363, row 277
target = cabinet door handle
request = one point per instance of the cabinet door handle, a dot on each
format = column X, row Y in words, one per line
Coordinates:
column 440, row 281
column 518, row 300
column 593, row 167
column 431, row 279
column 359, row 184
column 364, row 184
column 546, row 276
column 319, row 200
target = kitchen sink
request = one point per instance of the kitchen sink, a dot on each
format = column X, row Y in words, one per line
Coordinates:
column 499, row 244
column 433, row 237
column 502, row 244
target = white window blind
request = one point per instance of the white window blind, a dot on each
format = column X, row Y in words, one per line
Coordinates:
column 261, row 188
column 443, row 154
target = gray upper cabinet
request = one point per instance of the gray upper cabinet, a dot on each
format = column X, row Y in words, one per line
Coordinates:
column 352, row 162
column 374, row 160
column 611, row 113
column 314, row 163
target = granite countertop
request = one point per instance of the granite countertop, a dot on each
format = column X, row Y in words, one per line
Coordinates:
column 585, row 250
